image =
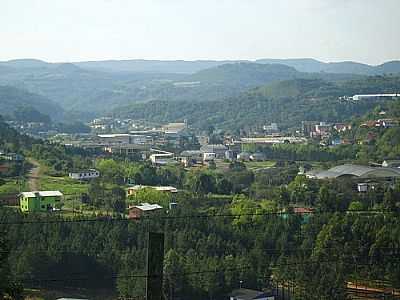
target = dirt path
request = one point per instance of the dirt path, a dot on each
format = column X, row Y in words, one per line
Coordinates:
column 33, row 175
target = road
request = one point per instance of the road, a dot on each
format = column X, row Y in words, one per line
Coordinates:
column 33, row 175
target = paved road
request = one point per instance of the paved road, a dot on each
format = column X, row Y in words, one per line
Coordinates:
column 33, row 176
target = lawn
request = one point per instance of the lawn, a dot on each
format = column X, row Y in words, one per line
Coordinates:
column 12, row 186
column 254, row 165
column 65, row 185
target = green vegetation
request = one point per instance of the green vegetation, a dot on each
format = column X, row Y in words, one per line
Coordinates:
column 65, row 185
column 254, row 165
column 287, row 103
column 11, row 186
column 27, row 106
column 239, row 224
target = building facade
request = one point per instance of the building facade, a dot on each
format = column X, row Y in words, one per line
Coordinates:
column 85, row 175
column 40, row 201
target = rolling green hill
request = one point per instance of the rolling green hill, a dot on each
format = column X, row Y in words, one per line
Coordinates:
column 95, row 88
column 13, row 100
column 287, row 103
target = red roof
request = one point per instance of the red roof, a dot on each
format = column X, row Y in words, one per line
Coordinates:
column 303, row 210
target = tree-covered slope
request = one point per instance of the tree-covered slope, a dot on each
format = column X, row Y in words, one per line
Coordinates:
column 287, row 103
column 14, row 100
column 244, row 74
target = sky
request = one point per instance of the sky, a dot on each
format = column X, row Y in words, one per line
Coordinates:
column 366, row 31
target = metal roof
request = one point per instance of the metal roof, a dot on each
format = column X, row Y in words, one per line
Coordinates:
column 147, row 206
column 191, row 153
column 42, row 194
column 157, row 188
column 247, row 294
column 213, row 147
column 357, row 171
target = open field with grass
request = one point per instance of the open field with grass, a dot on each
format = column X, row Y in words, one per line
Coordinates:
column 65, row 185
column 254, row 165
column 12, row 186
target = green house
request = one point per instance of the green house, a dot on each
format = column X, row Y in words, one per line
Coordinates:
column 42, row 201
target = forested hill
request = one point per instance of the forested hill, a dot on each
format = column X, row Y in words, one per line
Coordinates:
column 350, row 67
column 287, row 103
column 11, row 140
column 14, row 100
column 190, row 67
column 244, row 74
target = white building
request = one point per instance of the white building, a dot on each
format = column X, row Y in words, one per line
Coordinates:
column 85, row 175
column 122, row 138
column 373, row 96
column 162, row 158
column 208, row 156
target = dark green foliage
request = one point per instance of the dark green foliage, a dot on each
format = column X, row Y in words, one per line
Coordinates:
column 287, row 103
column 30, row 114
column 18, row 102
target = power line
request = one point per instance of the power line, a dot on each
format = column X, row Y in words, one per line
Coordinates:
column 209, row 271
column 267, row 250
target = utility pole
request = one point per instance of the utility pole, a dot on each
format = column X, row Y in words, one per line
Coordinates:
column 155, row 264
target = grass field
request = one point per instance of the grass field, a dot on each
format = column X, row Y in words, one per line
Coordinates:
column 11, row 186
column 65, row 185
column 254, row 165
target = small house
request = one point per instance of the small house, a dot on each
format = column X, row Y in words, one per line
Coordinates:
column 208, row 156
column 160, row 159
column 247, row 294
column 166, row 189
column 12, row 157
column 85, row 175
column 191, row 157
column 40, row 201
column 145, row 209
column 217, row 149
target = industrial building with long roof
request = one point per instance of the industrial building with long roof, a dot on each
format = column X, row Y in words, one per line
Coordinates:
column 356, row 171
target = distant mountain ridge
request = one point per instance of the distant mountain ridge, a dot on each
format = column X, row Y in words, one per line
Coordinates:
column 181, row 66
column 98, row 87
column 191, row 67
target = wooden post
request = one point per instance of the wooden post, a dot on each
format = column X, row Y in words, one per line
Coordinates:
column 155, row 264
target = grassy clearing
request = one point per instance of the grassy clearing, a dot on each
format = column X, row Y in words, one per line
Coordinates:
column 254, row 165
column 12, row 186
column 65, row 185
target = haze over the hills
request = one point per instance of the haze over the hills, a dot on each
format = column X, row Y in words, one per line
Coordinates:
column 96, row 87
column 353, row 30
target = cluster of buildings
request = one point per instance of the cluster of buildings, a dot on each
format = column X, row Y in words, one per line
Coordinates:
column 7, row 160
column 138, row 141
column 322, row 130
column 107, row 124
column 213, row 152
column 380, row 123
column 10, row 156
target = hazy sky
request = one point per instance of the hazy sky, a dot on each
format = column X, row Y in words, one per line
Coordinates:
column 72, row 30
